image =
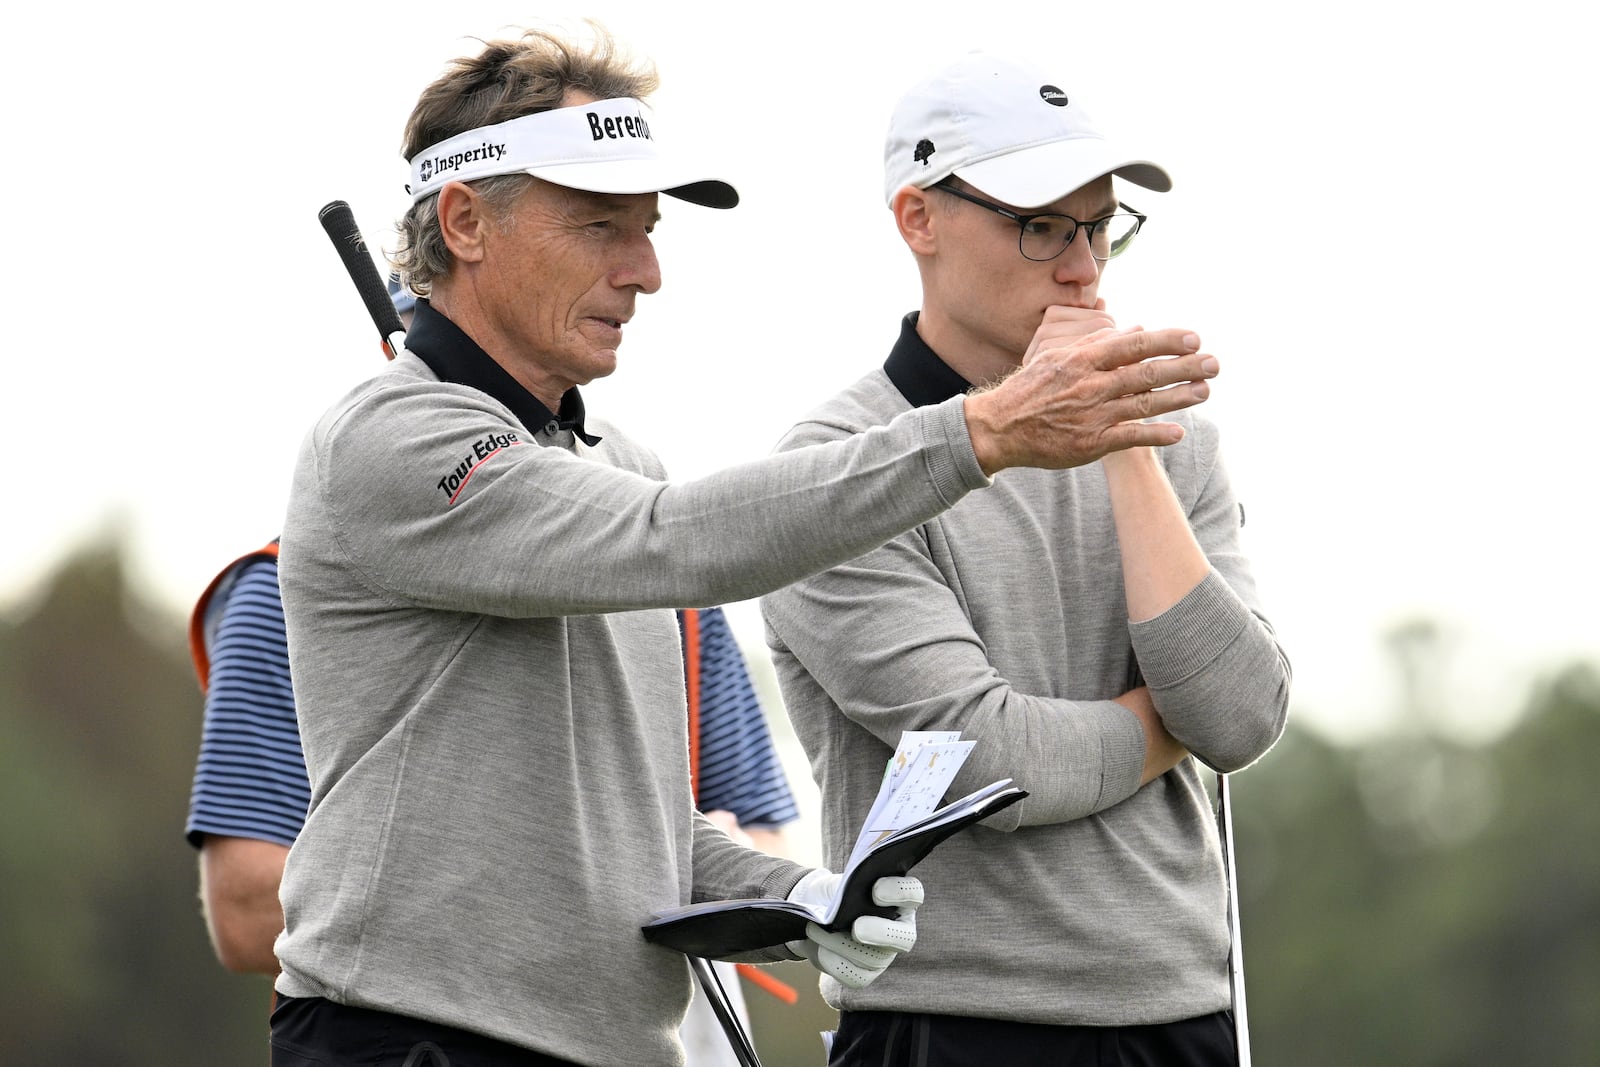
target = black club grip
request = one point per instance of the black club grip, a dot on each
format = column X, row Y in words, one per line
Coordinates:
column 340, row 224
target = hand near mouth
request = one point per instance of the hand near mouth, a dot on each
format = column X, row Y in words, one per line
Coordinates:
column 1064, row 321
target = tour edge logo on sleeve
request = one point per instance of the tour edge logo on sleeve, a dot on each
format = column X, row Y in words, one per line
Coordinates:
column 484, row 447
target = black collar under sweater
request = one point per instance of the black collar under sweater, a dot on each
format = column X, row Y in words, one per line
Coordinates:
column 456, row 358
column 918, row 372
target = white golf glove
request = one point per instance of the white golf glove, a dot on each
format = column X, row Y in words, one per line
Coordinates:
column 873, row 943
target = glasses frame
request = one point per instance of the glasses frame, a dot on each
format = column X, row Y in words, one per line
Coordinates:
column 1022, row 223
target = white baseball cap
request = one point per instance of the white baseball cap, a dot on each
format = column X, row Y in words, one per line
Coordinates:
column 602, row 147
column 1005, row 129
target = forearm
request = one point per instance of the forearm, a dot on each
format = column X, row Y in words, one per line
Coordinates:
column 1161, row 559
column 1162, row 751
column 1078, row 397
column 1215, row 671
column 728, row 865
column 632, row 540
column 773, row 840
column 239, row 892
column 883, row 644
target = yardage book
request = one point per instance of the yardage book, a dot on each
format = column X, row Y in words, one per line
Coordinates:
column 901, row 829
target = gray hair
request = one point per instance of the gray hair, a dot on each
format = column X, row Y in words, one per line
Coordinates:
column 508, row 79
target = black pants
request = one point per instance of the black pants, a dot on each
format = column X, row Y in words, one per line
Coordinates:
column 313, row 1032
column 902, row 1039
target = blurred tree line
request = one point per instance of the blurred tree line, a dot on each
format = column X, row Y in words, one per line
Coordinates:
column 1416, row 900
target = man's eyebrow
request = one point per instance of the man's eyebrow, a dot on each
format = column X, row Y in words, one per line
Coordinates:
column 607, row 202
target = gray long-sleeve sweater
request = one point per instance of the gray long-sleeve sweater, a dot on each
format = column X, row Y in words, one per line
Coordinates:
column 490, row 694
column 1094, row 901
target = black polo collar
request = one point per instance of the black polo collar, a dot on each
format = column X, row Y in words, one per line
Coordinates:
column 456, row 358
column 918, row 372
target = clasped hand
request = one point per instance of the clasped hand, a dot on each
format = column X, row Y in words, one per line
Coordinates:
column 857, row 958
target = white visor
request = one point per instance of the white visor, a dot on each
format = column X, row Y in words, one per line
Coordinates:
column 603, row 147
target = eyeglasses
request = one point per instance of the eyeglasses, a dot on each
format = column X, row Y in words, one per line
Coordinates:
column 1042, row 238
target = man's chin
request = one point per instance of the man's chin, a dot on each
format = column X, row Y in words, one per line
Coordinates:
column 601, row 364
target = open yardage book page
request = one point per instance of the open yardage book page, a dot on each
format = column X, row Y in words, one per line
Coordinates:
column 905, row 823
column 924, row 764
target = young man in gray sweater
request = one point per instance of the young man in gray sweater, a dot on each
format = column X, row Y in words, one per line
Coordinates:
column 478, row 580
column 1096, row 630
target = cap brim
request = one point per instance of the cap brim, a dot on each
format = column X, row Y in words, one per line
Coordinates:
column 630, row 176
column 709, row 193
column 1045, row 173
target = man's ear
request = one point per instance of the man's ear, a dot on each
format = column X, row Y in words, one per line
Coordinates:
column 913, row 217
column 463, row 221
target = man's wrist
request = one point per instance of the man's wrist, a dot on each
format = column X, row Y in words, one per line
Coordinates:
column 986, row 437
column 1131, row 459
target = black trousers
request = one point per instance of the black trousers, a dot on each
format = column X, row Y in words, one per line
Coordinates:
column 313, row 1032
column 903, row 1039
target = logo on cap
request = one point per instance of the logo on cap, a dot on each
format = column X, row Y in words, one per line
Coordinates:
column 1051, row 95
column 924, row 152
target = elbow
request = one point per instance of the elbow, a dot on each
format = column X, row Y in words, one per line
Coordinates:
column 243, row 942
column 232, row 956
column 1252, row 725
column 239, row 898
column 245, row 955
column 1246, row 746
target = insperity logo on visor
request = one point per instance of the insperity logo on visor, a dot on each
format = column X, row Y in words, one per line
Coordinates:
column 456, row 160
column 605, row 146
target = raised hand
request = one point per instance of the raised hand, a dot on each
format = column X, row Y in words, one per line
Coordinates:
column 1080, row 396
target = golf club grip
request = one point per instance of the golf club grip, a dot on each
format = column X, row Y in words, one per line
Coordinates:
column 340, row 224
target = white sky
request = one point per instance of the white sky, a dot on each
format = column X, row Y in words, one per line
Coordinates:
column 1380, row 224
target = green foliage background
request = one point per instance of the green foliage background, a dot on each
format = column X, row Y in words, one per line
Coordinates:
column 1414, row 900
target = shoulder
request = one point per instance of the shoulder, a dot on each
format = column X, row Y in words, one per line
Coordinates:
column 402, row 434
column 252, row 610
column 252, row 575
column 871, row 400
column 406, row 391
column 619, row 450
column 1193, row 461
column 255, row 580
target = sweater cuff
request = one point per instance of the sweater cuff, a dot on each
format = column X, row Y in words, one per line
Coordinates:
column 952, row 463
column 1121, row 754
column 1187, row 637
column 782, row 880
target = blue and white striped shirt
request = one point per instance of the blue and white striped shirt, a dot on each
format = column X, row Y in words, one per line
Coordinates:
column 739, row 768
column 251, row 777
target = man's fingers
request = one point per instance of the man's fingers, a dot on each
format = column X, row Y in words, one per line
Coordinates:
column 892, row 891
column 1064, row 325
column 1154, row 374
column 1066, row 313
column 1060, row 409
column 1137, row 345
column 1162, row 401
column 897, row 935
column 844, row 970
column 1141, row 435
column 861, row 954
